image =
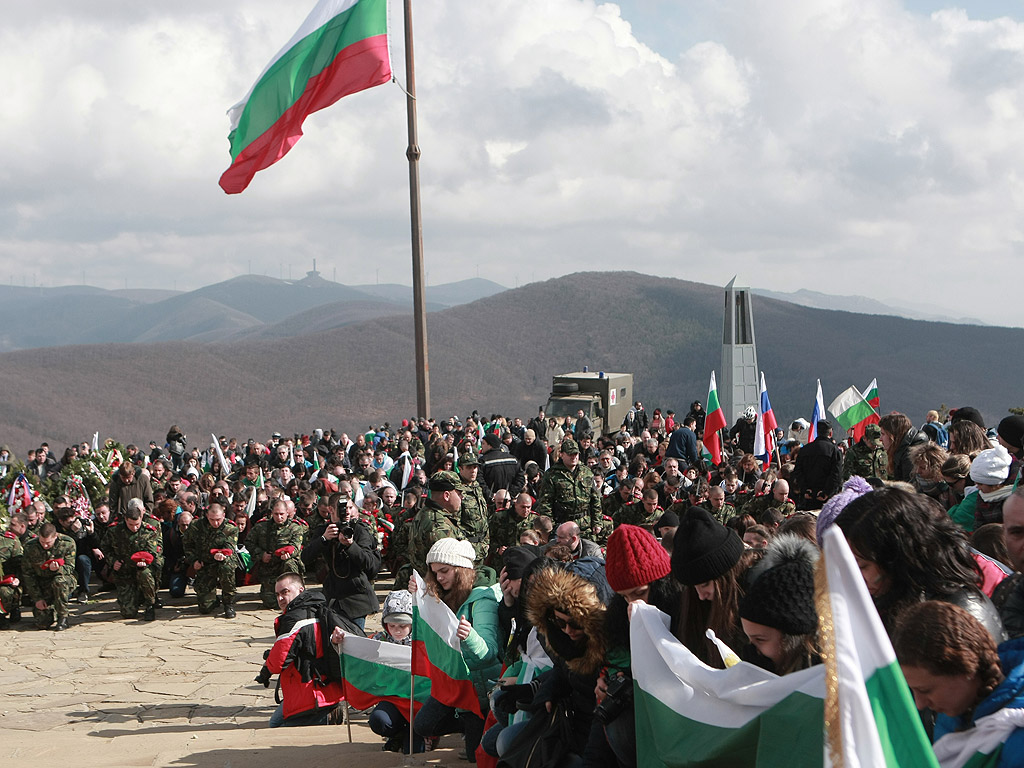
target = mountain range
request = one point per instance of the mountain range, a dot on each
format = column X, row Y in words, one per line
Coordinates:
column 333, row 366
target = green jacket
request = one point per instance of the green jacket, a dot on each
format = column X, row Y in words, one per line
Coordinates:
column 481, row 649
column 866, row 462
column 268, row 537
column 11, row 552
column 963, row 513
column 201, row 537
column 121, row 544
column 473, row 517
column 431, row 524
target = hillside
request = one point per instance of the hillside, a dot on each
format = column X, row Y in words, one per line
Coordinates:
column 497, row 355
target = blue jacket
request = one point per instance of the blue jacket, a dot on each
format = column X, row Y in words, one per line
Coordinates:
column 682, row 444
column 1009, row 693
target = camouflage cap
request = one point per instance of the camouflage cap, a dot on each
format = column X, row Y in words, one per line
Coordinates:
column 468, row 459
column 444, row 481
column 569, row 446
column 873, row 431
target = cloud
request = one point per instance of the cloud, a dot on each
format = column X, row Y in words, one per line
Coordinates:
column 852, row 146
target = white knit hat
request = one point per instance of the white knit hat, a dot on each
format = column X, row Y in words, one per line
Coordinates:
column 991, row 467
column 452, row 552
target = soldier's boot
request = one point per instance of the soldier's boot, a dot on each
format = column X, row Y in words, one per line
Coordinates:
column 157, row 602
column 62, row 623
column 5, row 623
column 229, row 607
column 15, row 614
column 150, row 613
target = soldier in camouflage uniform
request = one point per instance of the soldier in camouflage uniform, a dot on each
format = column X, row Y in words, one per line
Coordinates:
column 132, row 546
column 507, row 525
column 716, row 504
column 48, row 568
column 867, row 457
column 776, row 498
column 439, row 518
column 276, row 544
column 643, row 514
column 211, row 546
column 475, row 501
column 11, row 551
column 567, row 492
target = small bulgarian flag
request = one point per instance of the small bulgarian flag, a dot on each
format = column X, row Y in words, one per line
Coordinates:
column 850, row 408
column 713, row 423
column 437, row 651
column 341, row 48
column 376, row 671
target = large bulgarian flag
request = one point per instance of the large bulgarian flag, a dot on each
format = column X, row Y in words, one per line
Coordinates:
column 437, row 651
column 714, row 422
column 852, row 410
column 341, row 48
column 375, row 671
column 688, row 714
column 876, row 722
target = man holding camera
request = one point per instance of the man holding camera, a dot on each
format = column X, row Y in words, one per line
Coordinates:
column 349, row 549
column 276, row 544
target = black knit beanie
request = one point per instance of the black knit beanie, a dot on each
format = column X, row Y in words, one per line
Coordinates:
column 703, row 548
column 781, row 593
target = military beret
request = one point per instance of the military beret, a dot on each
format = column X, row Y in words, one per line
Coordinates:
column 569, row 446
column 468, row 459
column 444, row 481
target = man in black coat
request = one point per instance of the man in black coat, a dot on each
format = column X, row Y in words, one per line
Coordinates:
column 349, row 549
column 498, row 468
column 818, row 474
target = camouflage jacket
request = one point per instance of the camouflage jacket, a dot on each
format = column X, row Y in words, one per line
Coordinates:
column 121, row 544
column 506, row 528
column 636, row 514
column 34, row 575
column 570, row 495
column 268, row 537
column 431, row 524
column 11, row 551
column 724, row 515
column 201, row 537
column 398, row 542
column 759, row 504
column 473, row 516
column 866, row 462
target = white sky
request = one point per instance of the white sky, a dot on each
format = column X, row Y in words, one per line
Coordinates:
column 851, row 146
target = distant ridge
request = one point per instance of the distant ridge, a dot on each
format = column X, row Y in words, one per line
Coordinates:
column 497, row 355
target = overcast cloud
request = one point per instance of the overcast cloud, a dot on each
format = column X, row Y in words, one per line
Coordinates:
column 851, row 146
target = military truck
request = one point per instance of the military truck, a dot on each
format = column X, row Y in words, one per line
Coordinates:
column 604, row 397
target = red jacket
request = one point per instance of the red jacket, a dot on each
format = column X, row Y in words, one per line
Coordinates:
column 298, row 656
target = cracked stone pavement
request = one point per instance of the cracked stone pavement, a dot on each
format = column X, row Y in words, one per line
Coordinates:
column 177, row 692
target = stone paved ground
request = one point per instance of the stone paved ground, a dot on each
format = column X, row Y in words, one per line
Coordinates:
column 177, row 692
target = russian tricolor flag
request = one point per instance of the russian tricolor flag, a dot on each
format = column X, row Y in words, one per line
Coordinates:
column 764, row 436
column 818, row 415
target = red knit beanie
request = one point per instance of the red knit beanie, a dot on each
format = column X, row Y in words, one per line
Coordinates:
column 634, row 558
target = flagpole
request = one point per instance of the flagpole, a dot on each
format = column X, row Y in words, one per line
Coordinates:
column 419, row 302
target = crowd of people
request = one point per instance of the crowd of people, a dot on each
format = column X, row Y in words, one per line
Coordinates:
column 539, row 536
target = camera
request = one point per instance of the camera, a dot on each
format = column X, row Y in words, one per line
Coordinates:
column 347, row 531
column 618, row 697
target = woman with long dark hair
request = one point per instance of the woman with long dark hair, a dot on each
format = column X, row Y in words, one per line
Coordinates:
column 706, row 559
column 899, row 435
column 908, row 551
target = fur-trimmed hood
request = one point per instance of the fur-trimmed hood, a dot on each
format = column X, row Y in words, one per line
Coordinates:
column 552, row 589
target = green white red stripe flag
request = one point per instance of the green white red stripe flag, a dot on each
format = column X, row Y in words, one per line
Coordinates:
column 713, row 422
column 877, row 723
column 376, row 671
column 689, row 714
column 850, row 408
column 437, row 651
column 341, row 48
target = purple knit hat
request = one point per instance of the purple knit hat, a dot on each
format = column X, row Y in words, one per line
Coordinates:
column 853, row 488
